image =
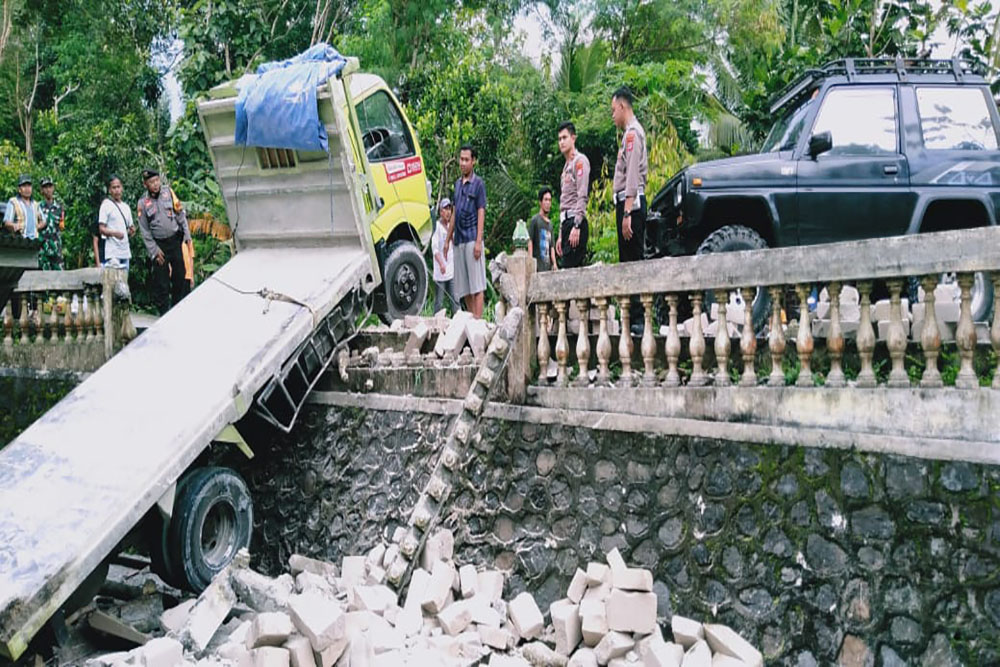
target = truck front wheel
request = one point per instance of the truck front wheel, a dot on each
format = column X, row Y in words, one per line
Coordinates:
column 731, row 239
column 212, row 521
column 405, row 281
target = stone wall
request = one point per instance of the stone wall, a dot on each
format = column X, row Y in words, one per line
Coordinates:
column 813, row 554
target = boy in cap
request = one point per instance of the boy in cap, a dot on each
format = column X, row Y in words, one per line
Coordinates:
column 444, row 267
column 23, row 215
column 164, row 228
column 50, row 257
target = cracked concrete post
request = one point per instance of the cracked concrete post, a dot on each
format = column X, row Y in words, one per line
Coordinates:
column 520, row 267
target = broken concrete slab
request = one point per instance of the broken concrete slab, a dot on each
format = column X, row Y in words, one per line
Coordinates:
column 613, row 645
column 632, row 579
column 491, row 584
column 699, row 655
column 172, row 620
column 455, row 618
column 161, row 652
column 583, row 657
column 567, row 624
column 269, row 629
column 454, row 337
column 418, row 336
column 270, row 656
column 208, row 613
column 320, row 619
column 578, row 586
column 630, row 611
column 687, row 632
column 469, row 580
column 298, row 563
column 723, row 639
column 438, row 590
column 300, row 651
column 540, row 655
column 525, row 616
column 261, row 593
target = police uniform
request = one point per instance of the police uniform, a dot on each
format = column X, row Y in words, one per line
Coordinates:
column 164, row 227
column 574, row 185
column 630, row 181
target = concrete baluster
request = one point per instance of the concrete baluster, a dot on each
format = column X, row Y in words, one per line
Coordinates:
column 36, row 319
column 995, row 328
column 541, row 315
column 930, row 335
column 8, row 324
column 603, row 343
column 835, row 339
column 96, row 299
column 22, row 323
column 583, row 343
column 776, row 340
column 722, row 342
column 748, row 340
column 965, row 335
column 79, row 318
column 625, row 348
column 648, row 342
column 896, row 338
column 54, row 319
column 67, row 317
column 673, row 345
column 804, row 340
column 697, row 344
column 562, row 345
column 866, row 337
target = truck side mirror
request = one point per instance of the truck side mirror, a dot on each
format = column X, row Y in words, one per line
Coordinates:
column 820, row 143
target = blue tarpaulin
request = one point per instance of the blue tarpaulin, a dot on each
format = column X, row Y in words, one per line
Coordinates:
column 278, row 108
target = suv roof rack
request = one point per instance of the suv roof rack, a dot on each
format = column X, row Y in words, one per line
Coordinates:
column 852, row 68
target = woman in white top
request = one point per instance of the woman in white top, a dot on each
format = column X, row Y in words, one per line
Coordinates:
column 114, row 221
column 444, row 267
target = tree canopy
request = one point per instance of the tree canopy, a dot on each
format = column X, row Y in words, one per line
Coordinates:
column 85, row 98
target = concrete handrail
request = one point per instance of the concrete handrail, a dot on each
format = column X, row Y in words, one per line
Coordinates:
column 966, row 250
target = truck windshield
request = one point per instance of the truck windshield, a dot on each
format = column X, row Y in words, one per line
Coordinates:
column 785, row 133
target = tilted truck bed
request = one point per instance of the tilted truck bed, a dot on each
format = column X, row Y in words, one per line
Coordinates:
column 76, row 481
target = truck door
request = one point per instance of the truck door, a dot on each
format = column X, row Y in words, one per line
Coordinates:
column 397, row 168
column 860, row 188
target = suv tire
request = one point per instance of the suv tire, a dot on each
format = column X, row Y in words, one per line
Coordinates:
column 212, row 521
column 405, row 281
column 733, row 238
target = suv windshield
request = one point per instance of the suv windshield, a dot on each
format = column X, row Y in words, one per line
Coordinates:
column 785, row 133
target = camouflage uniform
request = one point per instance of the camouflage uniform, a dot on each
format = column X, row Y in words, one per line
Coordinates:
column 50, row 256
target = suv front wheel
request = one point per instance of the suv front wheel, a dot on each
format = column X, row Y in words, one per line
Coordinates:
column 733, row 238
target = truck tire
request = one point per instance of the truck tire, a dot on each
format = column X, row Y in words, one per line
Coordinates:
column 212, row 521
column 405, row 281
column 732, row 238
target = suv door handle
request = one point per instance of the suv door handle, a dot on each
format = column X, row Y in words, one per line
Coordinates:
column 890, row 169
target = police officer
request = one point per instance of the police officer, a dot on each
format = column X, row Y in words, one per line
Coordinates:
column 574, row 185
column 629, row 183
column 164, row 227
column 629, row 187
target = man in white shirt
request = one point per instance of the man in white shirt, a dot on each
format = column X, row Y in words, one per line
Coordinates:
column 444, row 267
column 114, row 220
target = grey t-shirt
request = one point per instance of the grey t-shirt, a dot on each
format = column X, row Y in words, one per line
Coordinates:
column 540, row 232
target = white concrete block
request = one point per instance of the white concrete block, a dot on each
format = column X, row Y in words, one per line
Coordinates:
column 594, row 621
column 207, row 614
column 440, row 545
column 578, row 586
column 375, row 556
column 454, row 337
column 583, row 657
column 320, row 619
column 409, row 622
column 630, row 611
column 525, row 616
column 654, row 652
column 613, row 645
column 270, row 656
column 438, row 590
column 599, row 592
column 497, row 660
column 484, row 613
column 173, row 619
column 722, row 660
column 269, row 629
column 723, row 639
column 491, row 584
column 352, row 570
column 262, row 593
column 883, row 306
column 383, row 637
column 469, row 579
column 632, row 579
column 298, row 563
column 236, row 653
column 495, row 637
column 538, row 653
column 417, row 588
column 686, row 631
column 597, row 573
column 615, row 561
column 418, row 336
column 161, row 652
column 300, row 651
column 699, row 655
column 470, row 645
column 372, row 598
column 332, row 654
column 568, row 625
column 883, row 329
column 477, row 332
column 455, row 618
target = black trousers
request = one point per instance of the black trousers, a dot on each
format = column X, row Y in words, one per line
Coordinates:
column 573, row 257
column 169, row 285
column 631, row 250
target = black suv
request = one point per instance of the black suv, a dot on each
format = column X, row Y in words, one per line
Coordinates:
column 861, row 148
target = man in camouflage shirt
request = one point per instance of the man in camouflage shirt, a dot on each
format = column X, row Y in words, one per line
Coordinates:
column 50, row 257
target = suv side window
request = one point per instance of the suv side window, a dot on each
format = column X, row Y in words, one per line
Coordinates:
column 383, row 131
column 861, row 120
column 955, row 119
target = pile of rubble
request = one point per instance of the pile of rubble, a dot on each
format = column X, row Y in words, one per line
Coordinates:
column 321, row 615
